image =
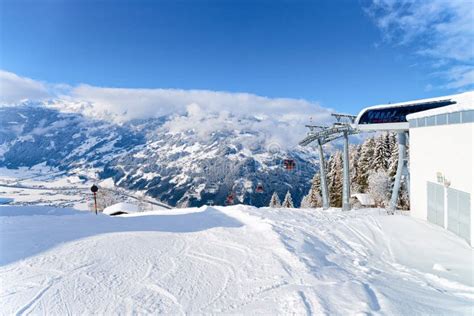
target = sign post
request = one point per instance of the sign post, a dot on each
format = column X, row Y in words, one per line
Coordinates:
column 94, row 190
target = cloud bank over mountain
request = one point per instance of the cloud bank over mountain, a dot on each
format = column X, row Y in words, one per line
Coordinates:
column 280, row 120
column 140, row 103
column 14, row 89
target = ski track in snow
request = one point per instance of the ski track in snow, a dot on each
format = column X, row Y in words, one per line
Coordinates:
column 278, row 261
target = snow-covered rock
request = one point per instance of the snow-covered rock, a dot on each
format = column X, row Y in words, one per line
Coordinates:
column 365, row 199
column 121, row 208
column 107, row 183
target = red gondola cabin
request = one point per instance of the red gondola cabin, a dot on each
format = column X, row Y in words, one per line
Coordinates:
column 289, row 164
column 230, row 199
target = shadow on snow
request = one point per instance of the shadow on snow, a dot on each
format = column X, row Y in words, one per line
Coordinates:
column 27, row 231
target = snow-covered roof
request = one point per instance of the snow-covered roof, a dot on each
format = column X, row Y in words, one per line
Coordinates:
column 454, row 97
column 364, row 198
column 464, row 102
column 394, row 116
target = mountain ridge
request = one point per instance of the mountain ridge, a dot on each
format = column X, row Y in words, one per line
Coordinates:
column 174, row 158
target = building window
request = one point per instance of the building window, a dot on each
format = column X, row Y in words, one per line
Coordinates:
column 454, row 118
column 430, row 121
column 467, row 117
column 421, row 122
column 441, row 119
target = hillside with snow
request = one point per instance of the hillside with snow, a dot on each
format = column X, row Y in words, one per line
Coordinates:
column 190, row 159
column 240, row 259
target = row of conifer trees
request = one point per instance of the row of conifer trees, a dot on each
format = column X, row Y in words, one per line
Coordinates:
column 372, row 164
column 287, row 201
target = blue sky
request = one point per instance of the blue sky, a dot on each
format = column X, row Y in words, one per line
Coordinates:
column 343, row 54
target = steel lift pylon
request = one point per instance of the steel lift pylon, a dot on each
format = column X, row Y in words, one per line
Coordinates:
column 324, row 134
column 402, row 171
column 343, row 128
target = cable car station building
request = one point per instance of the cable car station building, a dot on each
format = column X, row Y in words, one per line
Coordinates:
column 440, row 169
column 441, row 162
column 441, row 166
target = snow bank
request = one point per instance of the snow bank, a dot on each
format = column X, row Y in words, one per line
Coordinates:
column 364, row 199
column 36, row 210
column 121, row 208
column 232, row 260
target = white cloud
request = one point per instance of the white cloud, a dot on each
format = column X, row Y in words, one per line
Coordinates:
column 442, row 30
column 278, row 120
column 142, row 103
column 460, row 76
column 14, row 89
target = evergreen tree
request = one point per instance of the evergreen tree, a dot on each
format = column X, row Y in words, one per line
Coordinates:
column 387, row 148
column 313, row 198
column 354, row 156
column 379, row 187
column 393, row 160
column 305, row 201
column 335, row 179
column 275, row 201
column 365, row 164
column 329, row 175
column 404, row 197
column 288, row 201
column 381, row 152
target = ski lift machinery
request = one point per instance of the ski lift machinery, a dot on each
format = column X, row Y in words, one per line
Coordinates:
column 388, row 117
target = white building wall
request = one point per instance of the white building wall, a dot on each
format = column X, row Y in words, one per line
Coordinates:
column 445, row 149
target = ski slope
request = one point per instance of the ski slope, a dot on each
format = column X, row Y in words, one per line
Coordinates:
column 235, row 259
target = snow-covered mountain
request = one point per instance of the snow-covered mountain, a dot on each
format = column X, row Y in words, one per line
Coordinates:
column 183, row 159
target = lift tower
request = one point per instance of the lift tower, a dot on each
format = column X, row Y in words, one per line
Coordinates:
column 324, row 134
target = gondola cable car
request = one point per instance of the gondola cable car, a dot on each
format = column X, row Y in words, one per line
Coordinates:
column 230, row 199
column 289, row 164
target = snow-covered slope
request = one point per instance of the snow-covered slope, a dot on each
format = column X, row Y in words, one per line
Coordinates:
column 230, row 260
column 183, row 160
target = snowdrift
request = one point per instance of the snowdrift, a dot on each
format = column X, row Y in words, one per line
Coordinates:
column 231, row 260
column 121, row 208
